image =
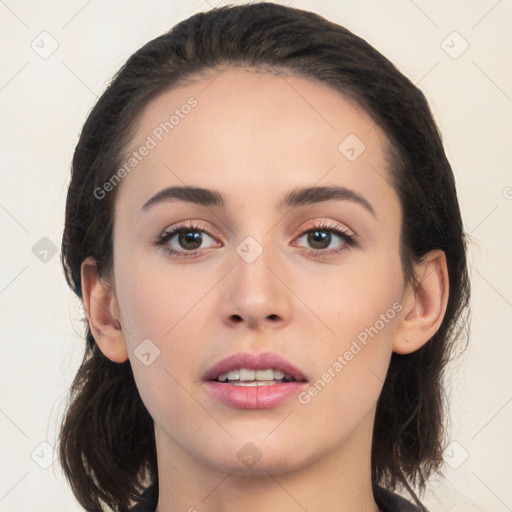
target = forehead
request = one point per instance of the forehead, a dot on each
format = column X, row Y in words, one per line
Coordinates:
column 253, row 129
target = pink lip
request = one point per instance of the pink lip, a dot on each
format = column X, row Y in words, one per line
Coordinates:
column 257, row 397
column 254, row 397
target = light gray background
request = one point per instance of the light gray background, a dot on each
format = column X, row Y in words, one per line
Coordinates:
column 44, row 100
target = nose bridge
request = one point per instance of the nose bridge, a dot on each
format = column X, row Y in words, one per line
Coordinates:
column 254, row 292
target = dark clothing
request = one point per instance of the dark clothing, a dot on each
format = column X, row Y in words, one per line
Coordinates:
column 391, row 502
column 386, row 500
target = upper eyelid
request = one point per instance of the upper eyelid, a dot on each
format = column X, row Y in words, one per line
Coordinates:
column 314, row 224
column 329, row 225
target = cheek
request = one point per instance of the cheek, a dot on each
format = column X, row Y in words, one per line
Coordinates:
column 356, row 298
column 155, row 301
column 164, row 311
column 360, row 310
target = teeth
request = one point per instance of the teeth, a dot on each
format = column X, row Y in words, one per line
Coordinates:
column 234, row 375
column 246, row 377
column 247, row 374
column 264, row 375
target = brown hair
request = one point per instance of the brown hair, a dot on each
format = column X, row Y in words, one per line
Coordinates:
column 106, row 462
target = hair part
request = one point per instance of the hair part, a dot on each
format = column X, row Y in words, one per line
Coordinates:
column 105, row 462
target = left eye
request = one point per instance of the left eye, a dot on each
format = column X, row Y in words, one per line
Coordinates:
column 320, row 238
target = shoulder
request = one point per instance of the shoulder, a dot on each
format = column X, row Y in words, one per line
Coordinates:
column 391, row 502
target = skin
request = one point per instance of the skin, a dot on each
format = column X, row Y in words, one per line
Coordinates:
column 254, row 137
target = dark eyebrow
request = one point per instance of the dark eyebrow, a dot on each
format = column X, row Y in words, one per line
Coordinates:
column 312, row 195
column 196, row 195
column 298, row 197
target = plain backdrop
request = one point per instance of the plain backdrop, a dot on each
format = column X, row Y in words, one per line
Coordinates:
column 57, row 58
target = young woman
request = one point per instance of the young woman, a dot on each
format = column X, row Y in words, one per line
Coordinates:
column 264, row 230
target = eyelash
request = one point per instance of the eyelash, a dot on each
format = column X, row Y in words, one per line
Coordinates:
column 161, row 240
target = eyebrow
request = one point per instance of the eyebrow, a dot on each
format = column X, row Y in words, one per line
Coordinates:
column 293, row 199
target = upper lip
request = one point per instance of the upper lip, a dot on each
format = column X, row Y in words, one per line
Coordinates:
column 263, row 361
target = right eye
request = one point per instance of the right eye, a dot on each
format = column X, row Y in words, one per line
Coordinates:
column 183, row 240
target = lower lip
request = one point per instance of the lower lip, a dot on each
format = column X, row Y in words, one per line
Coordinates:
column 254, row 397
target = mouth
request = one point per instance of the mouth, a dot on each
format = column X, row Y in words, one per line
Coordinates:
column 245, row 369
column 254, row 381
column 248, row 377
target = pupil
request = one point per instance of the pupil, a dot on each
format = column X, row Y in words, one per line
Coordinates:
column 190, row 237
column 319, row 237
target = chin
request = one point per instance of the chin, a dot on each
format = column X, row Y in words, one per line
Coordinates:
column 273, row 467
column 252, row 458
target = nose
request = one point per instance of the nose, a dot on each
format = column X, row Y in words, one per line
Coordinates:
column 255, row 293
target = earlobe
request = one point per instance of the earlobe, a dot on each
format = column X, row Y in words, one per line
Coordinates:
column 424, row 304
column 101, row 309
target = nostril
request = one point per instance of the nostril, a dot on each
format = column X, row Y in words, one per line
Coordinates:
column 238, row 318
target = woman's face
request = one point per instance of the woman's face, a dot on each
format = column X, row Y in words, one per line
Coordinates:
column 312, row 281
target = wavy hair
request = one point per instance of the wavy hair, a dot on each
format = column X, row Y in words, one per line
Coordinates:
column 106, row 441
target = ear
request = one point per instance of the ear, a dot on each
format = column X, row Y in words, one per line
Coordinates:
column 102, row 312
column 424, row 304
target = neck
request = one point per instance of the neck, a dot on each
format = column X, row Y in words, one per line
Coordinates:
column 339, row 480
